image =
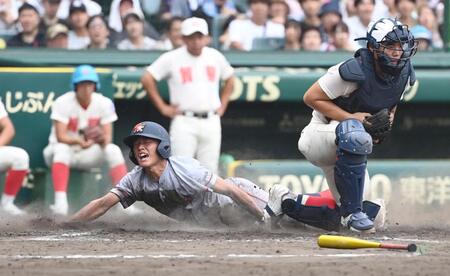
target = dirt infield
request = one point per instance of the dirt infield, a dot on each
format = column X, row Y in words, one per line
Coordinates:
column 153, row 245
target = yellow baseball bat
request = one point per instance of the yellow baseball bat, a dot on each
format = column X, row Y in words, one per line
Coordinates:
column 341, row 242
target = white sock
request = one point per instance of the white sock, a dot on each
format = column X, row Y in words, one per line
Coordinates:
column 7, row 199
column 60, row 198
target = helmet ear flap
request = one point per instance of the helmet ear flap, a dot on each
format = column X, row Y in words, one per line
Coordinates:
column 164, row 149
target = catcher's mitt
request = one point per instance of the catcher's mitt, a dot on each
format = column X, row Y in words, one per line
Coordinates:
column 95, row 134
column 378, row 125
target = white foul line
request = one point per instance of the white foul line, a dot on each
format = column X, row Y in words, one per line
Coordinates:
column 195, row 256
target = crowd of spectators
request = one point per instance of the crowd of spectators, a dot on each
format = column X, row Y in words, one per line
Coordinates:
column 245, row 25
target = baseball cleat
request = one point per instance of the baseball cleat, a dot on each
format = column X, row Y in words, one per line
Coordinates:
column 13, row 210
column 357, row 222
column 276, row 194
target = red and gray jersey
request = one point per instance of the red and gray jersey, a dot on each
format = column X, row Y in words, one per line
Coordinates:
column 183, row 192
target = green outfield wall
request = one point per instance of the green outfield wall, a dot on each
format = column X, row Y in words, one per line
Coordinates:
column 285, row 84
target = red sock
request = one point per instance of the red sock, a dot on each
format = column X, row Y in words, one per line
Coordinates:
column 60, row 176
column 117, row 173
column 321, row 199
column 14, row 180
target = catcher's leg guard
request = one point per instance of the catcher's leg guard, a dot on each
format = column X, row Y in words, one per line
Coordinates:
column 353, row 146
column 318, row 210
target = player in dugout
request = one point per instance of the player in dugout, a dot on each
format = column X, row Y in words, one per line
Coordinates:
column 81, row 135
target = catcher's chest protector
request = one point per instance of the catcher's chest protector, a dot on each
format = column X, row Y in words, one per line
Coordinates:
column 373, row 93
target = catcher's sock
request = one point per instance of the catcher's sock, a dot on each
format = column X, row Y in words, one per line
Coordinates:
column 14, row 180
column 324, row 198
column 117, row 173
column 60, row 176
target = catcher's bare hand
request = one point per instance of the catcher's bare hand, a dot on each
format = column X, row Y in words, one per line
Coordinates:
column 360, row 116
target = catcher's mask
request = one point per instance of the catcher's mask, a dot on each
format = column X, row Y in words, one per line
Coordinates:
column 382, row 35
column 149, row 130
column 85, row 73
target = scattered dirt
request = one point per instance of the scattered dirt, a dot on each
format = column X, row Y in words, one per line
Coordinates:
column 151, row 244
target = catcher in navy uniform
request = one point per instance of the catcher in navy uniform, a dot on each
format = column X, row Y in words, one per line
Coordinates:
column 354, row 105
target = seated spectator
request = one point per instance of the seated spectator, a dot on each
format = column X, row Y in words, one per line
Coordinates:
column 8, row 16
column 57, row 36
column 311, row 39
column 92, row 8
column 79, row 35
column 295, row 10
column 49, row 17
column 134, row 26
column 428, row 18
column 119, row 8
column 172, row 38
column 164, row 11
column 347, row 8
column 98, row 32
column 183, row 8
column 81, row 135
column 311, row 9
column 279, row 11
column 292, row 35
column 359, row 23
column 407, row 12
column 242, row 31
column 423, row 36
column 215, row 8
column 341, row 38
column 385, row 8
column 30, row 36
column 330, row 16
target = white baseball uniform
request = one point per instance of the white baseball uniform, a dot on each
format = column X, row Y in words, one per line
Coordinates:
column 67, row 110
column 12, row 157
column 317, row 140
column 15, row 161
column 194, row 84
column 185, row 192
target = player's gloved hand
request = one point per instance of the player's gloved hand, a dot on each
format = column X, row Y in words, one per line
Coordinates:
column 378, row 125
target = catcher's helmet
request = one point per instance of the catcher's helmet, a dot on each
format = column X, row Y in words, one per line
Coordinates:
column 385, row 32
column 150, row 130
column 85, row 73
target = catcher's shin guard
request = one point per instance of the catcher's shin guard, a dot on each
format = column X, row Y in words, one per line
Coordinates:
column 322, row 216
column 353, row 146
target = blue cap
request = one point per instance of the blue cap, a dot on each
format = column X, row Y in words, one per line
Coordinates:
column 85, row 73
